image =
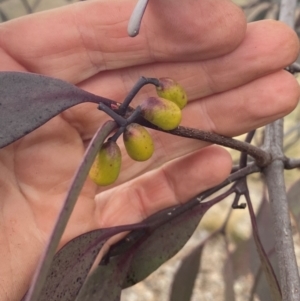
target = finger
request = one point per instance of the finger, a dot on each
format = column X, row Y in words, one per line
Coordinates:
column 261, row 53
column 77, row 41
column 172, row 184
column 247, row 107
column 248, row 62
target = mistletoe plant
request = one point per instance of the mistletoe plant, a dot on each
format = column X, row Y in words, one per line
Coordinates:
column 68, row 271
column 68, row 274
column 151, row 242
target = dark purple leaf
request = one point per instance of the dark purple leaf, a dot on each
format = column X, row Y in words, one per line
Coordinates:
column 260, row 286
column 105, row 282
column 245, row 259
column 72, row 263
column 29, row 100
column 185, row 277
column 264, row 225
column 294, row 202
column 269, row 273
column 162, row 243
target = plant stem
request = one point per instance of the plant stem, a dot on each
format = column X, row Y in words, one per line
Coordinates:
column 165, row 215
column 136, row 113
column 287, row 12
column 284, row 245
column 244, row 155
column 290, row 163
column 261, row 157
column 237, row 175
column 294, row 68
column 121, row 121
column 137, row 87
column 288, row 268
column 65, row 213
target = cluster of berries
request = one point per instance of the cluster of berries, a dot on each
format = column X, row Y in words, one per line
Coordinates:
column 164, row 111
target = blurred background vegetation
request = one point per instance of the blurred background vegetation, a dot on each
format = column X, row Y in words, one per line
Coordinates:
column 10, row 9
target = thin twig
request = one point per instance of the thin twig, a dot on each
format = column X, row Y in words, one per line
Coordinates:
column 242, row 173
column 291, row 163
column 294, row 68
column 174, row 211
column 136, row 88
column 262, row 158
column 244, row 155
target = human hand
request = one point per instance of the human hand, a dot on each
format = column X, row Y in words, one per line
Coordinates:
column 234, row 79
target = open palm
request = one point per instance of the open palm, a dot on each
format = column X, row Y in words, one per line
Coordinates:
column 234, row 79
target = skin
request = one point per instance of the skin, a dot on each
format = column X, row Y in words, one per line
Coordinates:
column 234, row 83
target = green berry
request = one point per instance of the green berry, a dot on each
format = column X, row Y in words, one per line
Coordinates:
column 171, row 90
column 106, row 167
column 161, row 112
column 138, row 142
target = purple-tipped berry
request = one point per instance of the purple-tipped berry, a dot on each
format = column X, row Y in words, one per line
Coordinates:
column 171, row 90
column 138, row 142
column 106, row 167
column 161, row 112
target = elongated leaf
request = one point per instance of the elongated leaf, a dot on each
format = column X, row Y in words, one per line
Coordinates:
column 260, row 286
column 72, row 263
column 162, row 243
column 105, row 283
column 103, row 288
column 264, row 224
column 245, row 259
column 46, row 260
column 29, row 100
column 185, row 277
column 293, row 196
column 266, row 265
